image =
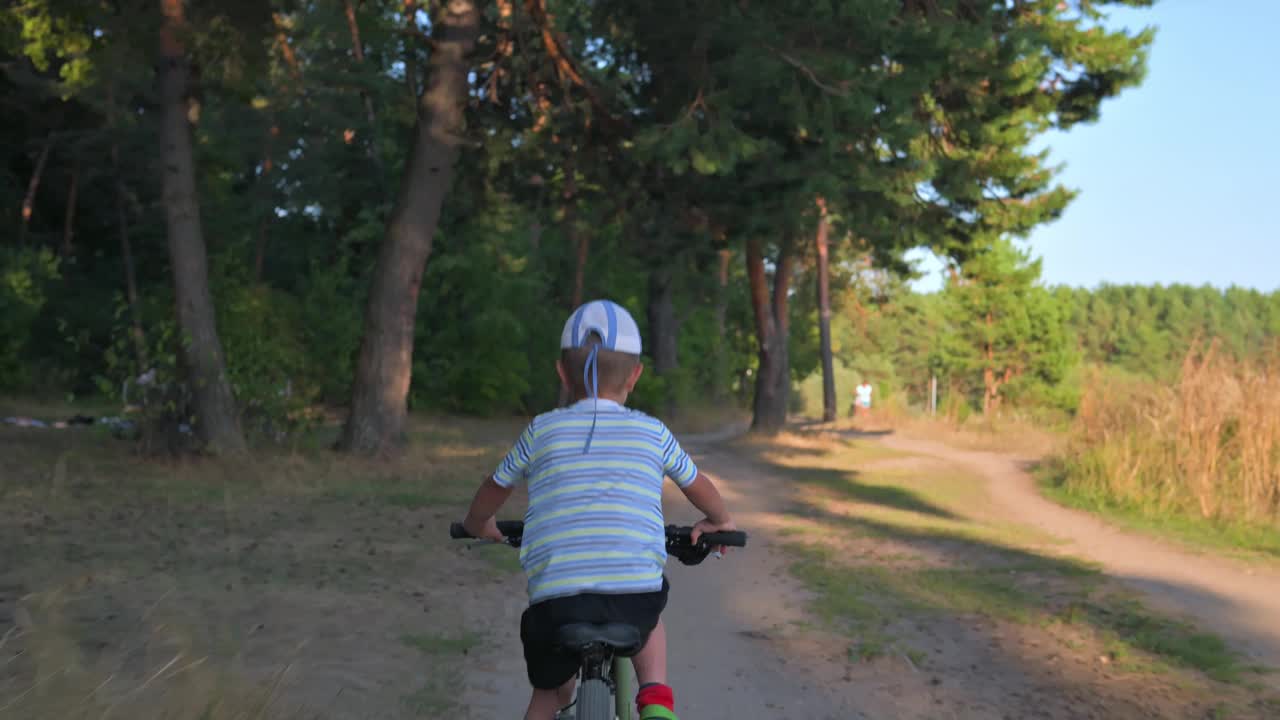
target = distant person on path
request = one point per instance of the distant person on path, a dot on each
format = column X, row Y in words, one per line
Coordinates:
column 862, row 399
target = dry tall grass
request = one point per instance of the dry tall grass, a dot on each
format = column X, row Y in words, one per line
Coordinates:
column 1208, row 446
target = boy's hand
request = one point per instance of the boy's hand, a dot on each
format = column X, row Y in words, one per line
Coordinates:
column 705, row 526
column 485, row 530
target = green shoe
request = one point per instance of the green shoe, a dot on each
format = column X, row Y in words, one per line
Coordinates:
column 656, row 712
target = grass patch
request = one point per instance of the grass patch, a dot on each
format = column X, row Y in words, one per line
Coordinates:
column 842, row 595
column 864, row 594
column 438, row 644
column 1132, row 627
column 1243, row 540
column 863, row 600
column 437, row 696
column 392, row 492
column 917, row 546
column 869, row 649
column 867, row 452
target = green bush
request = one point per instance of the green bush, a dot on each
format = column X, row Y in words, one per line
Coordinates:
column 478, row 367
column 269, row 364
column 331, row 311
column 25, row 276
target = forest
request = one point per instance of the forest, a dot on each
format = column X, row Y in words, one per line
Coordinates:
column 242, row 212
column 1058, row 340
column 383, row 205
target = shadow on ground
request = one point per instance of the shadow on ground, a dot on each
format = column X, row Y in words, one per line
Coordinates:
column 1016, row 631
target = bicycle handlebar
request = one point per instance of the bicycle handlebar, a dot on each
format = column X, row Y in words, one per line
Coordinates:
column 679, row 539
column 728, row 538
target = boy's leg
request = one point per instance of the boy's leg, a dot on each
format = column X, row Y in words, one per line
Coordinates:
column 655, row 700
column 651, row 661
column 544, row 704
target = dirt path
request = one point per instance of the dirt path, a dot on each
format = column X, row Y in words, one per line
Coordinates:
column 1239, row 602
column 743, row 644
column 734, row 650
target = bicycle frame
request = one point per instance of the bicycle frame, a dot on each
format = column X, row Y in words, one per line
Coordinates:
column 624, row 689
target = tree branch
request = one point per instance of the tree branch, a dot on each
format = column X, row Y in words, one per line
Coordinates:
column 566, row 67
column 813, row 77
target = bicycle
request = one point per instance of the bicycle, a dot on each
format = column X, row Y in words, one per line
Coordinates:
column 605, row 675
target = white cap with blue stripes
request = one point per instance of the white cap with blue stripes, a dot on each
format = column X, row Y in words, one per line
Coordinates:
column 618, row 332
column 615, row 326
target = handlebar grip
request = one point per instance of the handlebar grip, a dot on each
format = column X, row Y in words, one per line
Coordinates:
column 734, row 538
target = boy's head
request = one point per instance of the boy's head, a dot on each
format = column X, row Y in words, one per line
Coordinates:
column 608, row 331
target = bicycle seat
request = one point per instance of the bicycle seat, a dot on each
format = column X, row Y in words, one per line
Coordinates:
column 623, row 640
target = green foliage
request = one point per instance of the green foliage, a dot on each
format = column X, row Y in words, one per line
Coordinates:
column 55, row 35
column 271, row 367
column 898, row 338
column 489, row 334
column 1148, row 330
column 675, row 141
column 25, row 280
column 1007, row 338
column 330, row 318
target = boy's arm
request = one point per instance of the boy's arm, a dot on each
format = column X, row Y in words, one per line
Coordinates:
column 704, row 496
column 481, row 519
column 496, row 488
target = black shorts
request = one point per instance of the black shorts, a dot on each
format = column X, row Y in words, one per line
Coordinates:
column 548, row 666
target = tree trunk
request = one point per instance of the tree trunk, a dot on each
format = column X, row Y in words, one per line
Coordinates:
column 266, row 194
column 664, row 329
column 69, row 222
column 583, row 241
column 991, row 387
column 29, row 200
column 781, row 319
column 824, row 318
column 381, row 387
column 357, row 49
column 266, row 202
column 130, row 272
column 579, row 239
column 410, row 56
column 286, row 50
column 504, row 47
column 217, row 423
column 721, row 389
column 573, row 233
column 136, row 334
column 773, row 386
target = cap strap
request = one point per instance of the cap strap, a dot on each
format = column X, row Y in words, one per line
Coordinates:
column 591, row 379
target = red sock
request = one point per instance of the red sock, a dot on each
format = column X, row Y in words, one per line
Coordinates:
column 656, row 694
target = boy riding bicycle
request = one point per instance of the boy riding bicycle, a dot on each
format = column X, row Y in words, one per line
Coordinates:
column 594, row 541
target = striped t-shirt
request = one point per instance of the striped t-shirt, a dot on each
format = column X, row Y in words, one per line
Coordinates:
column 594, row 523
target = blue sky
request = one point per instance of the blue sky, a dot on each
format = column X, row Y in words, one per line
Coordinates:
column 1178, row 180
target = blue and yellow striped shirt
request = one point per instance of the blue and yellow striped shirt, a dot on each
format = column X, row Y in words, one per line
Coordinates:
column 594, row 523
